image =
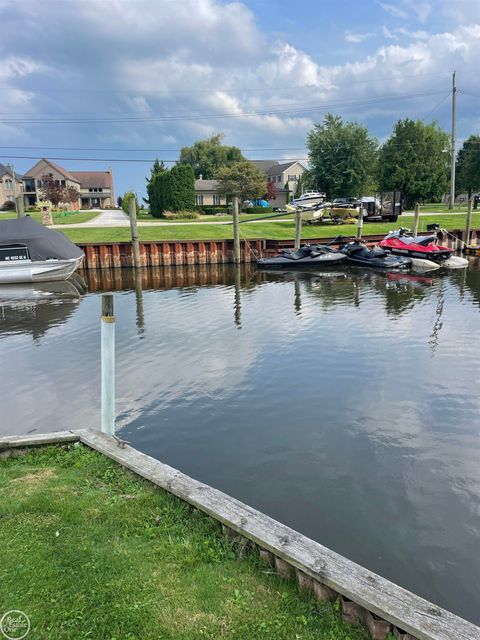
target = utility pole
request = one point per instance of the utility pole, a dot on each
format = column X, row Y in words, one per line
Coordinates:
column 454, row 128
column 132, row 213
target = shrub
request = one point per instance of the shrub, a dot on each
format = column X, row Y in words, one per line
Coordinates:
column 180, row 215
column 210, row 209
column 257, row 210
column 8, row 205
column 128, row 196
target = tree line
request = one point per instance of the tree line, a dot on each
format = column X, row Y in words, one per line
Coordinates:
column 344, row 160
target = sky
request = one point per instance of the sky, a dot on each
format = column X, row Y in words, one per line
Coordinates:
column 97, row 81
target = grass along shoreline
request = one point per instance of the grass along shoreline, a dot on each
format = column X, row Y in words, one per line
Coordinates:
column 92, row 551
column 284, row 230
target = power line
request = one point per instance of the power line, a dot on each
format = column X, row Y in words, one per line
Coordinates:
column 170, row 118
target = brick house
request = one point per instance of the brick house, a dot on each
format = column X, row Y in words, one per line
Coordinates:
column 95, row 187
column 8, row 186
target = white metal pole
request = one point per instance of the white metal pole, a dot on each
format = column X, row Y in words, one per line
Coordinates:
column 108, row 365
column 415, row 220
column 360, row 223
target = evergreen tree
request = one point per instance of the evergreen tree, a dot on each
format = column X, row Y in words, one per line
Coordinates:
column 299, row 188
column 287, row 192
column 157, row 168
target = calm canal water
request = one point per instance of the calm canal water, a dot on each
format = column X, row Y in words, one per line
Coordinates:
column 345, row 404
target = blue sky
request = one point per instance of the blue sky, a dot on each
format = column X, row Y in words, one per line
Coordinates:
column 141, row 78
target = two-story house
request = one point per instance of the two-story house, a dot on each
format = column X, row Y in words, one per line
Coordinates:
column 9, row 186
column 95, row 187
column 281, row 174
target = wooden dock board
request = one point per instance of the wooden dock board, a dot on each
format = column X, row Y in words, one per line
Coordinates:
column 36, row 439
column 402, row 608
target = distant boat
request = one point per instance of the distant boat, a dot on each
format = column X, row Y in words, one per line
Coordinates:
column 309, row 199
column 30, row 252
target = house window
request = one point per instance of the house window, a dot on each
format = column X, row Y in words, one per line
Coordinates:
column 62, row 182
column 279, row 178
column 199, row 200
column 8, row 184
column 292, row 178
column 216, row 199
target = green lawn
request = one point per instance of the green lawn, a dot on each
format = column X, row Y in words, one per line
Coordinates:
column 274, row 230
column 91, row 551
column 57, row 218
column 146, row 217
column 437, row 207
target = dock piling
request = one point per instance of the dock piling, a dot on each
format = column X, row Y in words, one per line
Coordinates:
column 108, row 365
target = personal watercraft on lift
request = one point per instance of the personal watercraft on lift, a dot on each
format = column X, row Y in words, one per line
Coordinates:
column 309, row 255
column 425, row 251
column 376, row 258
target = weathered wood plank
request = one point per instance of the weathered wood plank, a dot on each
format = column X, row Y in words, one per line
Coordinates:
column 35, row 439
column 390, row 602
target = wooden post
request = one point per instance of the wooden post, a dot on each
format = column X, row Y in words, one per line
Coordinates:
column 468, row 222
column 132, row 212
column 139, row 301
column 415, row 220
column 360, row 223
column 238, row 296
column 19, row 206
column 108, row 365
column 236, row 231
column 298, row 228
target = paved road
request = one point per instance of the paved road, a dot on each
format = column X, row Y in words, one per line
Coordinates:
column 117, row 218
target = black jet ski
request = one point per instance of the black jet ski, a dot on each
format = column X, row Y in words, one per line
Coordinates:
column 358, row 253
column 308, row 255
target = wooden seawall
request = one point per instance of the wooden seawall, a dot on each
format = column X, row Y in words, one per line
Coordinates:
column 367, row 598
column 108, row 255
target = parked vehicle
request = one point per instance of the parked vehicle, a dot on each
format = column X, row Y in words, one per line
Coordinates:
column 424, row 250
column 309, row 255
column 30, row 252
column 376, row 258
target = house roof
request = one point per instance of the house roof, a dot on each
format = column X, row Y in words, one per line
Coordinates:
column 93, row 179
column 54, row 166
column 264, row 165
column 206, row 185
column 5, row 171
column 280, row 168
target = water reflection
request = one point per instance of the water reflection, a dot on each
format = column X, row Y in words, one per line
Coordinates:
column 34, row 308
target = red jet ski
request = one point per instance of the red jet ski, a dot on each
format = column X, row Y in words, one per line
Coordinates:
column 424, row 247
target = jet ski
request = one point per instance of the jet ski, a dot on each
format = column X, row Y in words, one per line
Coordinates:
column 425, row 252
column 358, row 253
column 308, row 255
column 424, row 247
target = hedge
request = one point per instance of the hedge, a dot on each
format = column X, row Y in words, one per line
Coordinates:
column 257, row 210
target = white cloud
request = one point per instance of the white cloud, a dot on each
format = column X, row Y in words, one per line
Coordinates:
column 356, row 38
column 389, row 34
column 393, row 10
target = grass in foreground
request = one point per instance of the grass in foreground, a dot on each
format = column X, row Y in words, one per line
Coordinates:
column 275, row 230
column 91, row 551
column 146, row 217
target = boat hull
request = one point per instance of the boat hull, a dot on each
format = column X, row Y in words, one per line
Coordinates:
column 279, row 262
column 20, row 271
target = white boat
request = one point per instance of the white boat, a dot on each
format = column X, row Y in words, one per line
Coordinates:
column 308, row 199
column 30, row 252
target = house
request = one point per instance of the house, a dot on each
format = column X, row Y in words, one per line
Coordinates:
column 95, row 187
column 206, row 193
column 9, row 186
column 281, row 174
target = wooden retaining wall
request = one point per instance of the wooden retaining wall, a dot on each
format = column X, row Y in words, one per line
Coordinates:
column 366, row 598
column 166, row 253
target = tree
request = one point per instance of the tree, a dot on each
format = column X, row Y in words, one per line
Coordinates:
column 158, row 167
column 119, row 201
column 53, row 191
column 271, row 193
column 241, row 179
column 286, row 188
column 126, row 199
column 299, row 187
column 172, row 190
column 468, row 166
column 343, row 157
column 414, row 160
column 206, row 156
